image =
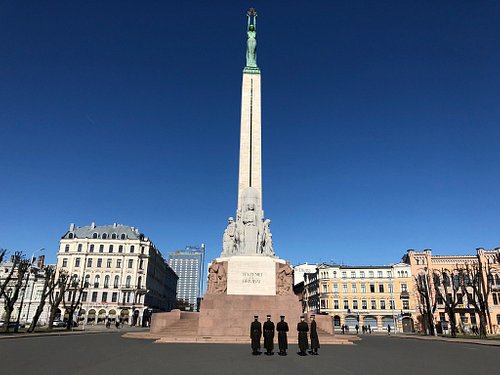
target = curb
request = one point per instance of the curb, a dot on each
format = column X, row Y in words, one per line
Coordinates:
column 29, row 335
column 455, row 341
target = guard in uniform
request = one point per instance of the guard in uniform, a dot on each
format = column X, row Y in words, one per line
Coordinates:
column 255, row 334
column 314, row 336
column 269, row 336
column 302, row 329
column 282, row 328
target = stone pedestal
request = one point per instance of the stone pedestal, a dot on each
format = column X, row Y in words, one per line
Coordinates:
column 243, row 286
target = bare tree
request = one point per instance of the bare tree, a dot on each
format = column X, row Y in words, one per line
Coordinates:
column 48, row 288
column 60, row 283
column 447, row 286
column 13, row 285
column 2, row 254
column 428, row 304
column 477, row 290
column 73, row 296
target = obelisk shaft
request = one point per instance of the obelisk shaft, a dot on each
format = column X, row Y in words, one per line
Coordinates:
column 250, row 173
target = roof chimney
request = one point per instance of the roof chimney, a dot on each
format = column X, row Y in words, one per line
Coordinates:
column 71, row 227
column 92, row 226
column 114, row 225
column 41, row 261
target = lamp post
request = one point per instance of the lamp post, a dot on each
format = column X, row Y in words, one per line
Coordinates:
column 392, row 299
column 16, row 328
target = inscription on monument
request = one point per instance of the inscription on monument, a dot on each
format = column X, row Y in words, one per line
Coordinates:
column 251, row 276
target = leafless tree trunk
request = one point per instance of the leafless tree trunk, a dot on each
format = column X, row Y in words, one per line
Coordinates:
column 56, row 296
column 48, row 288
column 72, row 298
column 427, row 306
column 447, row 286
column 477, row 291
column 13, row 286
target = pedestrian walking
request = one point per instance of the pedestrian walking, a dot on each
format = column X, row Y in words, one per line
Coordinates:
column 357, row 329
column 313, row 334
column 389, row 329
column 343, row 329
column 370, row 328
column 255, row 334
column 269, row 336
column 282, row 328
column 302, row 329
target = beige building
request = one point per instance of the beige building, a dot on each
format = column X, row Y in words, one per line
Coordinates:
column 126, row 275
column 375, row 296
column 424, row 262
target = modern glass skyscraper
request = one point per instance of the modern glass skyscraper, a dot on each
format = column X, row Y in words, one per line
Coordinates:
column 188, row 264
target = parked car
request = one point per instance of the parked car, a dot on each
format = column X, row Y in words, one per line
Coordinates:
column 59, row 324
column 11, row 324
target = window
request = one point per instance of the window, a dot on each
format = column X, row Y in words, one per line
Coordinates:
column 370, row 274
column 463, row 318
column 139, row 284
column 113, row 236
column 84, row 297
column 364, row 304
column 99, row 262
column 334, row 274
column 440, row 300
column 324, row 288
column 120, row 249
column 362, row 274
column 335, row 288
column 406, row 304
column 498, row 319
column 87, row 281
column 363, row 288
column 94, row 236
column 372, row 288
column 336, row 304
column 460, row 299
column 116, row 282
column 108, row 263
column 355, row 304
column 381, row 288
column 382, row 304
column 344, row 274
column 324, row 304
column 77, row 262
column 354, row 288
column 391, row 304
column 353, row 274
column 66, row 248
column 118, row 263
column 101, row 248
column 373, row 304
column 142, row 252
column 91, row 248
column 344, row 288
column 104, row 297
column 404, row 287
column 106, row 281
column 110, row 248
column 379, row 274
column 389, row 274
column 96, row 281
column 114, row 297
column 442, row 317
column 141, row 264
column 94, row 296
column 132, row 248
column 127, row 282
column 130, row 263
column 79, row 247
column 122, row 236
column 65, row 262
column 495, row 299
column 70, row 235
column 89, row 262
column 346, row 304
column 104, row 236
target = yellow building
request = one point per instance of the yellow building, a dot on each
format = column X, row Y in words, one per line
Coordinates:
column 425, row 263
column 374, row 296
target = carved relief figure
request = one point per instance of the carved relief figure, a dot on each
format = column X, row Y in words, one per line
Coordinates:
column 217, row 279
column 251, row 230
column 229, row 238
column 284, row 280
column 267, row 239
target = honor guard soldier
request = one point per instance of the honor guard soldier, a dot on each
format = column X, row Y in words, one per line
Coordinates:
column 302, row 329
column 255, row 334
column 269, row 336
column 314, row 336
column 282, row 328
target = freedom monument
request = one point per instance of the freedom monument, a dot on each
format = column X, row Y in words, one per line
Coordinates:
column 248, row 278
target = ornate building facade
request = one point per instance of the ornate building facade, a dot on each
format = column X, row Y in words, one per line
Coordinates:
column 425, row 263
column 375, row 296
column 125, row 274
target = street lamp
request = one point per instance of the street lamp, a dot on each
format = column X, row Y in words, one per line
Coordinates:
column 32, row 260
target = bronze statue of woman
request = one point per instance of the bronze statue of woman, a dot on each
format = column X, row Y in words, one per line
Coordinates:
column 251, row 40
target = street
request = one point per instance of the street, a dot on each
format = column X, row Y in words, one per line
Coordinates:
column 110, row 353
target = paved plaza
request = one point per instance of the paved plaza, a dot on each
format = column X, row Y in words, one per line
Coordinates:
column 109, row 353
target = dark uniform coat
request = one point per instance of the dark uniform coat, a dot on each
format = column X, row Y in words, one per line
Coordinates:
column 255, row 334
column 314, row 336
column 269, row 335
column 302, row 329
column 282, row 328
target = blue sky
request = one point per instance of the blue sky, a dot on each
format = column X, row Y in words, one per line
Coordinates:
column 381, row 123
